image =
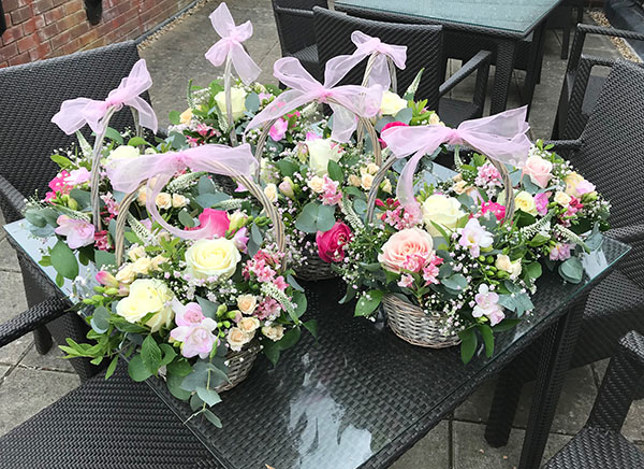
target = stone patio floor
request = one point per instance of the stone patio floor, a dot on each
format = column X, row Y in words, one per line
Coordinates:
column 30, row 382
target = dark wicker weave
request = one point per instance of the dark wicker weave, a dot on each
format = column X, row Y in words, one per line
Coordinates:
column 424, row 50
column 610, row 154
column 31, row 95
column 599, row 445
column 581, row 88
column 294, row 21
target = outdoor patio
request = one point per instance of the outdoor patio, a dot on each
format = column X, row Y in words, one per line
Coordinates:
column 30, row 382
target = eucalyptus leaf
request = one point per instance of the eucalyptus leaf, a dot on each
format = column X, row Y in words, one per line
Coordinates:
column 209, row 396
column 212, row 418
column 307, row 219
column 572, row 270
column 404, row 115
column 185, row 219
column 137, row 369
column 100, row 321
column 63, row 260
column 252, row 102
column 368, row 303
column 326, row 218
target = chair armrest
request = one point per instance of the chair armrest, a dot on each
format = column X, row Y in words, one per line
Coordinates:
column 564, row 147
column 12, row 202
column 620, row 384
column 626, row 234
column 580, row 36
column 34, row 317
column 294, row 12
column 480, row 62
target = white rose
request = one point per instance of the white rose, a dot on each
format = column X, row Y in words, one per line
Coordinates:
column 123, row 152
column 504, row 263
column 274, row 333
column 238, row 338
column 321, row 151
column 391, row 104
column 316, row 184
column 125, row 274
column 135, row 252
column 164, row 201
column 238, row 100
column 147, row 296
column 442, row 210
column 249, row 324
column 525, row 202
column 247, row 303
column 213, row 258
column 270, row 191
column 179, row 201
column 142, row 265
column 563, row 199
column 366, row 181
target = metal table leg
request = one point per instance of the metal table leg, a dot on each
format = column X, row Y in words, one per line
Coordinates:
column 503, row 76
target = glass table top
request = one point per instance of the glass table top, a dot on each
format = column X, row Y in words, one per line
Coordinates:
column 349, row 399
column 518, row 16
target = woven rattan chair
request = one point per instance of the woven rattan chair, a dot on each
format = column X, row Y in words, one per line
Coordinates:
column 581, row 87
column 294, row 20
column 115, row 423
column 610, row 153
column 31, row 95
column 424, row 50
column 599, row 445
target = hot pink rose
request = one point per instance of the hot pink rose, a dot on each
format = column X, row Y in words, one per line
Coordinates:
column 410, row 242
column 331, row 243
column 215, row 221
column 388, row 126
column 539, row 170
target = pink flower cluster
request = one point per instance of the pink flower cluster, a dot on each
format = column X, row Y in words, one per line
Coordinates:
column 560, row 252
column 268, row 308
column 263, row 267
column 574, row 206
column 497, row 209
column 487, row 304
column 416, row 263
column 193, row 329
column 541, row 202
column 330, row 193
column 488, row 175
column 396, row 216
column 111, row 205
column 58, row 185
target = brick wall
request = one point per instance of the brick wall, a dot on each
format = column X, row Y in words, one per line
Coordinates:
column 38, row 29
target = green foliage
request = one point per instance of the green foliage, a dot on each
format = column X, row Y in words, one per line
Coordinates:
column 368, row 302
column 64, row 260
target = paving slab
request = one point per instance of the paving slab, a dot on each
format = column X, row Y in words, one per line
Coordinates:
column 3, row 371
column 52, row 361
column 471, row 451
column 431, row 451
column 23, row 393
column 12, row 298
column 8, row 259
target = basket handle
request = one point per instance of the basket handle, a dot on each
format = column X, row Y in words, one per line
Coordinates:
column 216, row 166
column 382, row 172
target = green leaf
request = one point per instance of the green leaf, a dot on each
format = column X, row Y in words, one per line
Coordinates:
column 572, row 270
column 111, row 368
column 185, row 219
column 271, row 350
column 290, row 339
column 292, row 282
column 287, row 167
column 506, row 324
column 326, row 217
column 168, row 354
column 151, row 354
column 132, row 237
column 34, row 217
column 62, row 162
column 212, row 418
column 348, row 296
column 207, row 200
column 82, row 197
column 533, row 270
column 209, row 396
column 100, row 321
column 335, row 171
column 114, row 135
column 174, row 117
column 252, row 103
column 136, row 141
column 404, row 115
column 456, row 282
column 368, row 303
column 299, row 298
column 488, row 339
column 208, row 308
column 122, row 325
column 469, row 342
column 206, row 185
column 63, row 260
column 312, row 327
column 198, row 377
column 137, row 370
column 307, row 219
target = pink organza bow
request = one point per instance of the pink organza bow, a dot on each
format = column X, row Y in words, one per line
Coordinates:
column 501, row 137
column 346, row 101
column 230, row 44
column 75, row 113
column 127, row 174
column 366, row 46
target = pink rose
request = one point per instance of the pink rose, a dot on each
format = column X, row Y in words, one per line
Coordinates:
column 407, row 243
column 539, row 170
column 383, row 144
column 79, row 233
column 331, row 243
column 278, row 130
column 216, row 222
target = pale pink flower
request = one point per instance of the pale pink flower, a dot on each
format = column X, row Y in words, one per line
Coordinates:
column 78, row 176
column 487, row 304
column 585, row 187
column 330, row 193
column 541, row 203
column 278, row 130
column 560, row 252
column 474, row 237
column 406, row 281
column 106, row 279
column 488, row 175
column 241, row 239
column 198, row 339
column 189, row 315
column 79, row 233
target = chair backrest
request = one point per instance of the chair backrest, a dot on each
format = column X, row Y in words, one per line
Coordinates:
column 612, row 152
column 294, row 21
column 424, row 48
column 31, row 94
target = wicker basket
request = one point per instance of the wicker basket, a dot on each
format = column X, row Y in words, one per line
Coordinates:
column 411, row 323
column 313, row 268
column 239, row 365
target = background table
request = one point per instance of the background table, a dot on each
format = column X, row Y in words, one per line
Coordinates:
column 503, row 23
column 360, row 397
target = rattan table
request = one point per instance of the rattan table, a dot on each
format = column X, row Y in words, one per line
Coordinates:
column 360, row 397
column 473, row 25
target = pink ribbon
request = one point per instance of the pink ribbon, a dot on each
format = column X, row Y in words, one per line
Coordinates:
column 230, row 44
column 75, row 113
column 128, row 174
column 501, row 137
column 366, row 46
column 347, row 101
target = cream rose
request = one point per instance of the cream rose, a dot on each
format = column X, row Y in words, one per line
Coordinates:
column 371, row 168
column 125, row 274
column 238, row 338
column 539, row 170
column 574, row 184
column 562, row 199
column 274, row 333
column 142, row 265
column 355, row 180
column 135, row 252
column 386, row 186
column 164, row 201
column 525, row 202
column 442, row 210
column 403, row 244
column 366, row 181
column 179, row 201
column 391, row 104
column 435, row 120
column 185, row 117
column 147, row 296
column 504, row 263
column 321, row 151
column 316, row 184
column 142, row 196
column 249, row 324
column 247, row 303
column 238, row 100
column 270, row 191
column 212, row 258
column 156, row 262
column 460, row 187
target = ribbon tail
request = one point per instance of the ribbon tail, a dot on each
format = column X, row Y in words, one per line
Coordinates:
column 216, row 55
column 245, row 66
column 380, row 73
column 405, row 187
column 147, row 116
column 344, row 123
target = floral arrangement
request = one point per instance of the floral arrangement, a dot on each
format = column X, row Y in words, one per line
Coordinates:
column 458, row 255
